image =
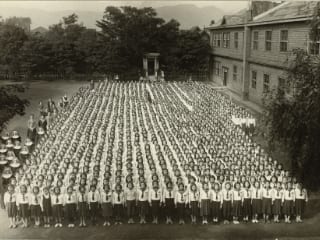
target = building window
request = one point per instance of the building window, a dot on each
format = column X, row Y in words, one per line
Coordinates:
column 314, row 46
column 236, row 40
column 268, row 40
column 255, row 40
column 226, row 40
column 283, row 85
column 254, row 79
column 283, row 40
column 218, row 39
column 217, row 67
column 235, row 73
column 266, row 82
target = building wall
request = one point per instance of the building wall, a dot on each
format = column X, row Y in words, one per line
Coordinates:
column 298, row 35
column 234, row 85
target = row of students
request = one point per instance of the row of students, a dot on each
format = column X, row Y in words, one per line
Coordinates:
column 232, row 202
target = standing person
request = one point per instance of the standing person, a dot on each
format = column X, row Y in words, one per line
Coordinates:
column 246, row 201
column 142, row 198
column 236, row 203
column 181, row 200
column 10, row 203
column 43, row 123
column 118, row 202
column 130, row 198
column 46, row 206
column 31, row 132
column 216, row 202
column 65, row 100
column 168, row 196
column 266, row 202
column 57, row 206
column 23, row 205
column 204, row 200
column 288, row 202
column 155, row 199
column 256, row 196
column 93, row 201
column 106, row 205
column 82, row 200
column 194, row 202
column 301, row 198
column 35, row 205
column 51, row 105
column 277, row 195
column 227, row 198
column 70, row 201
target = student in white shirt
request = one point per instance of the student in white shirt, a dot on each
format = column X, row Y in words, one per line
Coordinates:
column 155, row 199
column 70, row 202
column 57, row 206
column 266, row 202
column 181, row 200
column 194, row 202
column 118, row 202
column 35, row 202
column 246, row 201
column 227, row 198
column 130, row 197
column 10, row 198
column 106, row 204
column 82, row 200
column 23, row 205
column 277, row 194
column 142, row 198
column 168, row 197
column 288, row 201
column 93, row 201
column 301, row 198
column 204, row 200
column 236, row 202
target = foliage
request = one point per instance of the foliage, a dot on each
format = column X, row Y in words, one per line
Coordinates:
column 10, row 103
column 295, row 120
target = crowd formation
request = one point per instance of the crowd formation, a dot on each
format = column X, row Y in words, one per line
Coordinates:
column 147, row 151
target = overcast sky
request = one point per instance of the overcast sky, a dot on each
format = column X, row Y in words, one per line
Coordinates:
column 228, row 6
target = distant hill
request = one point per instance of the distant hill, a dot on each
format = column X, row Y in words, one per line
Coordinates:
column 188, row 15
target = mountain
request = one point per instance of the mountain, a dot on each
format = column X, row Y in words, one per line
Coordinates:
column 188, row 15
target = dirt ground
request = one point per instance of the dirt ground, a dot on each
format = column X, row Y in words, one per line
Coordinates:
column 42, row 90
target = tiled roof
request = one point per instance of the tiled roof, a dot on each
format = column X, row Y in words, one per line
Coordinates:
column 288, row 10
column 230, row 20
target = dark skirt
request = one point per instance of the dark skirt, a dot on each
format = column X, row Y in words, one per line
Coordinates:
column 118, row 211
column 130, row 208
column 71, row 209
column 94, row 209
column 215, row 209
column 107, row 209
column 181, row 208
column 24, row 210
column 143, row 207
column 47, row 209
column 247, row 207
column 169, row 206
column 256, row 206
column 236, row 208
column 266, row 206
column 31, row 134
column 226, row 210
column 194, row 208
column 83, row 209
column 57, row 211
column 276, row 208
column 35, row 210
column 204, row 207
column 299, row 206
column 288, row 207
column 155, row 205
column 12, row 209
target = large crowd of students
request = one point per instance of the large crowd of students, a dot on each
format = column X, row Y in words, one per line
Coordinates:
column 146, row 152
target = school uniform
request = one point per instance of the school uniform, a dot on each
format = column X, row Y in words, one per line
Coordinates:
column 300, row 200
column 236, row 203
column 204, row 203
column 10, row 202
column 194, row 202
column 70, row 203
column 227, row 196
column 130, row 198
column 288, row 201
column 256, row 198
column 82, row 200
column 266, row 201
column 246, row 202
column 118, row 200
column 180, row 200
column 35, row 205
column 168, row 197
column 93, row 200
column 46, row 205
column 143, row 201
column 23, row 204
column 106, row 204
column 216, row 201
column 155, row 198
column 57, row 206
column 277, row 195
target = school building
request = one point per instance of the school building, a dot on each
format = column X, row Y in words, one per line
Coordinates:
column 252, row 50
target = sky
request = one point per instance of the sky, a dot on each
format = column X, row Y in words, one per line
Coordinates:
column 229, row 6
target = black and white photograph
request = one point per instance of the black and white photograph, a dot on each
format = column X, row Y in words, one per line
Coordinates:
column 162, row 120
